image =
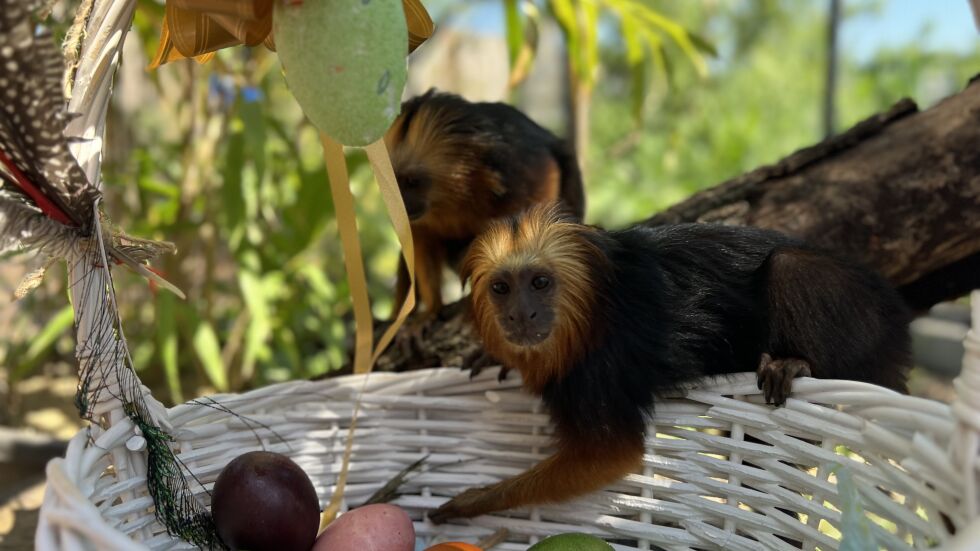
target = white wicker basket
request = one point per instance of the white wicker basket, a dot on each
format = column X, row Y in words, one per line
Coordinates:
column 703, row 486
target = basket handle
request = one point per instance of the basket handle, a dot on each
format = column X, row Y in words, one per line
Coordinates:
column 98, row 52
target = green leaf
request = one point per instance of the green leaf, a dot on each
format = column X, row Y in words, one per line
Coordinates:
column 208, row 350
column 635, row 58
column 167, row 339
column 318, row 282
column 514, row 28
column 702, row 44
column 676, row 32
column 43, row 342
column 523, row 19
column 564, row 12
column 254, row 121
column 259, row 327
column 306, row 216
column 158, row 187
column 286, row 345
column 588, row 12
column 232, row 192
column 657, row 52
column 638, row 90
column 633, row 40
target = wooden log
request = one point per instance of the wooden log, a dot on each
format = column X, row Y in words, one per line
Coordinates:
column 900, row 191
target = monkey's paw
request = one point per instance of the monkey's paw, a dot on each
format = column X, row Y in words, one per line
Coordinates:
column 479, row 360
column 471, row 503
column 775, row 377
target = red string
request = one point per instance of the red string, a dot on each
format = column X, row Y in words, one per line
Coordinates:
column 43, row 202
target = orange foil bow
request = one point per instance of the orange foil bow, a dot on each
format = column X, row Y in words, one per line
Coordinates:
column 199, row 28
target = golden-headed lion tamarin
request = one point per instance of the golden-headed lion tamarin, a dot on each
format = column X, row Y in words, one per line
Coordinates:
column 461, row 165
column 598, row 323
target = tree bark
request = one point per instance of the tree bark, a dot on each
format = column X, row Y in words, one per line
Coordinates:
column 899, row 191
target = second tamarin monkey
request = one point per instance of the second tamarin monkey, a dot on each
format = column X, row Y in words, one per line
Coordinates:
column 460, row 165
column 598, row 323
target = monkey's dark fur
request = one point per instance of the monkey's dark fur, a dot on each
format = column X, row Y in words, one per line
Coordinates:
column 697, row 299
column 599, row 323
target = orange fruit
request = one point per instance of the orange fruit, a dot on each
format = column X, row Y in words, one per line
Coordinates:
column 454, row 546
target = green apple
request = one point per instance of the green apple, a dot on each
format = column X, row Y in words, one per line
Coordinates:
column 571, row 542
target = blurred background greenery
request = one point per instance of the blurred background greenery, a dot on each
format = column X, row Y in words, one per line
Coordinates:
column 218, row 159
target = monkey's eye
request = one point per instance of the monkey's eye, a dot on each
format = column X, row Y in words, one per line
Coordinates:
column 500, row 288
column 540, row 282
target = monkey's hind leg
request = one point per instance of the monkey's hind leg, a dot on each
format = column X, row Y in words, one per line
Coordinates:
column 429, row 259
column 775, row 377
column 844, row 320
column 401, row 288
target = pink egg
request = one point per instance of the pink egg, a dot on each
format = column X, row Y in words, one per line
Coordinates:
column 378, row 527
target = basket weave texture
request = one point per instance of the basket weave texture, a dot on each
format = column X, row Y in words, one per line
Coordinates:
column 705, row 484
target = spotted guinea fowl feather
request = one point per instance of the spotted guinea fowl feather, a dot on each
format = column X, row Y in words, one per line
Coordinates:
column 46, row 200
column 37, row 165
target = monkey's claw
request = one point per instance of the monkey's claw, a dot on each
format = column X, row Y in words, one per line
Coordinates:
column 468, row 504
column 775, row 377
column 478, row 360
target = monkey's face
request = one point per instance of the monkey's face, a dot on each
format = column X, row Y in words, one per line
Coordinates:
column 523, row 299
column 414, row 187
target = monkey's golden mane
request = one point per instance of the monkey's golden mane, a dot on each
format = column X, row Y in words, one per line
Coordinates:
column 540, row 239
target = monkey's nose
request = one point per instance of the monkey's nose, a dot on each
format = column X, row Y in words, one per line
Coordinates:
column 533, row 315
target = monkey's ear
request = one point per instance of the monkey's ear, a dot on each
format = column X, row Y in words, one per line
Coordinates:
column 466, row 268
column 465, row 272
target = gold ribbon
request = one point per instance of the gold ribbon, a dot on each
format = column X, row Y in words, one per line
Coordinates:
column 199, row 28
column 366, row 353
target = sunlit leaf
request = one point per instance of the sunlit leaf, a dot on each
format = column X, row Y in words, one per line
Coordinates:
column 254, row 120
column 232, row 195
column 656, row 51
column 514, row 26
column 286, row 346
column 208, row 351
column 676, row 32
column 523, row 60
column 564, row 12
column 158, row 187
column 307, row 213
column 43, row 342
column 635, row 58
column 588, row 17
column 167, row 339
column 318, row 282
column 702, row 44
column 258, row 300
column 143, row 354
